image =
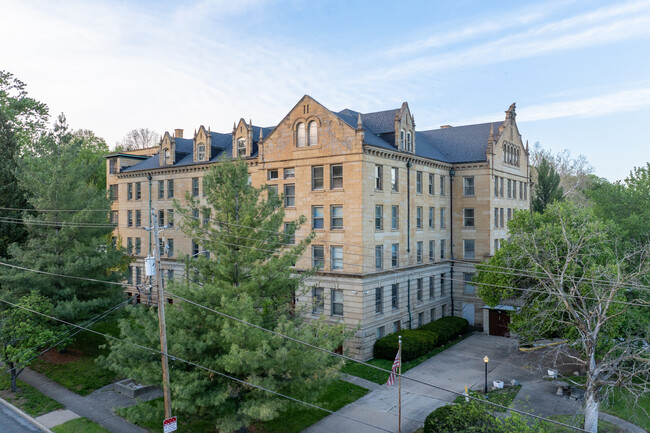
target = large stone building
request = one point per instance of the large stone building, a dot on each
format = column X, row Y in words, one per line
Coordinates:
column 400, row 215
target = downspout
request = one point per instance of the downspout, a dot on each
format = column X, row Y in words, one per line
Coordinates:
column 149, row 178
column 408, row 239
column 452, row 172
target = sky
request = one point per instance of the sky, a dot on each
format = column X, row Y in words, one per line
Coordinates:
column 579, row 71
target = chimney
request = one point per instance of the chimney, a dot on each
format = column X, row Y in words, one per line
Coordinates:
column 178, row 133
column 445, row 126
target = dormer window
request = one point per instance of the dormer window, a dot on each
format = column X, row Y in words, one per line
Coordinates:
column 401, row 139
column 241, row 147
column 313, row 133
column 167, row 156
column 201, row 152
column 300, row 135
column 408, row 141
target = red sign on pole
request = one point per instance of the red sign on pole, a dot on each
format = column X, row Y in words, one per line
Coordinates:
column 170, row 425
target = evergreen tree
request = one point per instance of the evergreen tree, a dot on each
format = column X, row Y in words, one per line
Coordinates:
column 547, row 188
column 250, row 275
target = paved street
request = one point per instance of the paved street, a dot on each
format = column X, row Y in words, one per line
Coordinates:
column 11, row 422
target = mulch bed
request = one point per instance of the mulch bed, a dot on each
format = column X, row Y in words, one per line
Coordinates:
column 53, row 356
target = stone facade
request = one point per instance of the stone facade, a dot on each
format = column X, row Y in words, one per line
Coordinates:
column 400, row 216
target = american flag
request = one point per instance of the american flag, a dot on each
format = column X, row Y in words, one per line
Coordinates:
column 391, row 378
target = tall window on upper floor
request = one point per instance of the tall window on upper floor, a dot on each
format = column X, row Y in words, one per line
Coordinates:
column 317, row 177
column 201, row 152
column 418, row 182
column 409, row 142
column 468, row 248
column 394, row 179
column 468, row 217
column 401, row 139
column 468, row 185
column 336, row 176
column 300, row 135
column 379, row 177
column 241, row 147
column 431, row 184
column 313, row 133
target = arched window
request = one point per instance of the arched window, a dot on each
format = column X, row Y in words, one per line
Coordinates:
column 241, row 147
column 408, row 141
column 167, row 155
column 313, row 133
column 505, row 153
column 201, row 152
column 300, row 134
column 401, row 139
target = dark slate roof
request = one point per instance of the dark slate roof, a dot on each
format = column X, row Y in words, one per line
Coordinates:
column 456, row 144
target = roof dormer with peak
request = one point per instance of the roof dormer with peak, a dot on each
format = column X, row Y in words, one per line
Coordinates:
column 405, row 129
column 202, row 145
column 167, row 153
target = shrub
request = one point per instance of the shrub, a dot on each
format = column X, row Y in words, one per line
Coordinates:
column 460, row 418
column 447, row 328
column 415, row 343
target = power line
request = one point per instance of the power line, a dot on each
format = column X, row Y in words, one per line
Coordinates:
column 52, row 210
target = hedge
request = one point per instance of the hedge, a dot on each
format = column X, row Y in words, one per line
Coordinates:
column 447, row 328
column 415, row 343
column 463, row 417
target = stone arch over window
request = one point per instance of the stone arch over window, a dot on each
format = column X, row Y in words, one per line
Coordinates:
column 313, row 133
column 300, row 134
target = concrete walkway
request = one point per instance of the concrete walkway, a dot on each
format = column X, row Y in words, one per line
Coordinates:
column 97, row 406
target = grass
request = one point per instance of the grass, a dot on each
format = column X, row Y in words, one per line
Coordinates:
column 381, row 377
column 621, row 404
column 503, row 396
column 28, row 399
column 82, row 375
column 578, row 421
column 79, row 425
column 149, row 415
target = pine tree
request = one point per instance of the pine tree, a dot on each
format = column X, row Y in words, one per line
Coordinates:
column 547, row 189
column 249, row 275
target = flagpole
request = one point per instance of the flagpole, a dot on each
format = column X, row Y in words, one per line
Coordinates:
column 399, row 385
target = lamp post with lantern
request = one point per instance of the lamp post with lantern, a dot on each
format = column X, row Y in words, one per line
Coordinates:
column 486, row 360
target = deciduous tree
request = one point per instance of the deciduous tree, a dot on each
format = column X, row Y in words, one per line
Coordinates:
column 547, row 188
column 140, row 138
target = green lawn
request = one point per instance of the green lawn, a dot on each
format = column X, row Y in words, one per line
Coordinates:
column 578, row 421
column 503, row 397
column 149, row 415
column 381, row 377
column 79, row 425
column 82, row 375
column 621, row 404
column 28, row 399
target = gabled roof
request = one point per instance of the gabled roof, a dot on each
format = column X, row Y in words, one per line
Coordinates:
column 457, row 144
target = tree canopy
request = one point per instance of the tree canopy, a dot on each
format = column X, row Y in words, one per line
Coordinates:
column 547, row 189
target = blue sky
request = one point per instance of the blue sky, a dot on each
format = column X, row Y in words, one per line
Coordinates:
column 579, row 71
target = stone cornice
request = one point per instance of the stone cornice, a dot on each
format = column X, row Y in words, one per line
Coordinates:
column 195, row 168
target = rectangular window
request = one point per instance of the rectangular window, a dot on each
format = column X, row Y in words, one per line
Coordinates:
column 433, row 314
column 195, row 214
column 501, row 186
column 170, row 274
column 442, row 218
column 431, row 289
column 336, row 256
column 418, row 251
column 432, row 252
column 170, row 188
column 468, row 185
column 336, row 176
column 397, row 326
column 444, row 310
column 379, row 217
column 379, row 177
column 394, row 217
column 161, row 189
column 318, row 256
column 443, row 284
column 514, row 189
column 113, row 193
column 394, row 179
column 112, row 166
column 129, row 245
column 496, row 186
column 496, row 217
column 381, row 332
column 272, row 174
column 195, row 187
column 442, row 185
column 115, row 217
column 130, row 276
column 496, row 245
column 138, row 275
column 418, row 217
column 509, row 188
column 394, row 296
column 170, row 217
column 161, row 218
column 138, row 246
column 170, row 247
column 420, row 319
column 206, row 217
column 431, row 184
column 501, row 217
column 432, row 219
column 337, row 302
column 336, row 217
column 317, row 218
column 317, row 300
column 521, row 190
column 138, row 218
column 129, row 218
column 317, row 178
column 379, row 300
column 289, row 195
column 195, row 249
column 418, row 293
column 129, row 191
column 379, row 256
column 468, row 287
column 138, row 190
column 418, row 182
column 468, row 248
column 442, row 248
column 525, row 191
column 394, row 255
column 273, row 189
column 509, row 214
column 203, row 188
column 289, row 173
column 289, row 239
column 468, row 217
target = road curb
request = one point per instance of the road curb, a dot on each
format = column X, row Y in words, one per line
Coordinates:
column 26, row 416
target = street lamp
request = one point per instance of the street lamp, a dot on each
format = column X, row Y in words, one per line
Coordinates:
column 486, row 360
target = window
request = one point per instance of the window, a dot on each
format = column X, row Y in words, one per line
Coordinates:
column 129, row 245
column 418, row 251
column 170, row 274
column 394, row 217
column 468, row 217
column 418, row 293
column 431, row 184
column 401, row 139
column 394, row 296
column 431, row 289
column 241, row 147
column 509, row 188
column 129, row 218
column 300, row 135
column 433, row 314
column 379, row 301
column 443, row 284
column 514, row 189
column 129, row 191
column 138, row 190
column 444, row 310
column 432, row 220
column 272, row 174
column 418, row 217
column 379, row 256
column 394, row 255
column 170, row 247
column 138, row 218
column 442, row 248
column 379, row 177
column 501, row 217
column 318, row 256
column 206, row 216
column 273, row 188
column 468, row 287
column 289, row 195
column 496, row 186
column 289, row 173
column 336, row 217
column 161, row 189
column 397, row 326
column 317, row 300
column 394, row 179
column 442, row 185
column 509, row 214
column 496, row 245
column 337, row 302
column 112, row 166
column 138, row 275
column 496, row 217
column 195, row 214
column 317, row 178
column 525, row 191
column 381, row 331
column 195, row 187
column 201, row 152
column 114, row 217
column 313, row 133
column 170, row 189
column 336, row 256
column 420, row 319
column 408, row 142
column 379, row 217
column 468, row 248
column 501, row 186
column 130, row 277
column 336, row 179
column 195, row 249
column 442, row 218
column 317, row 218
column 290, row 237
column 432, row 252
column 521, row 190
column 161, row 217
column 113, row 193
column 418, row 182
column 170, row 217
column 468, row 185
